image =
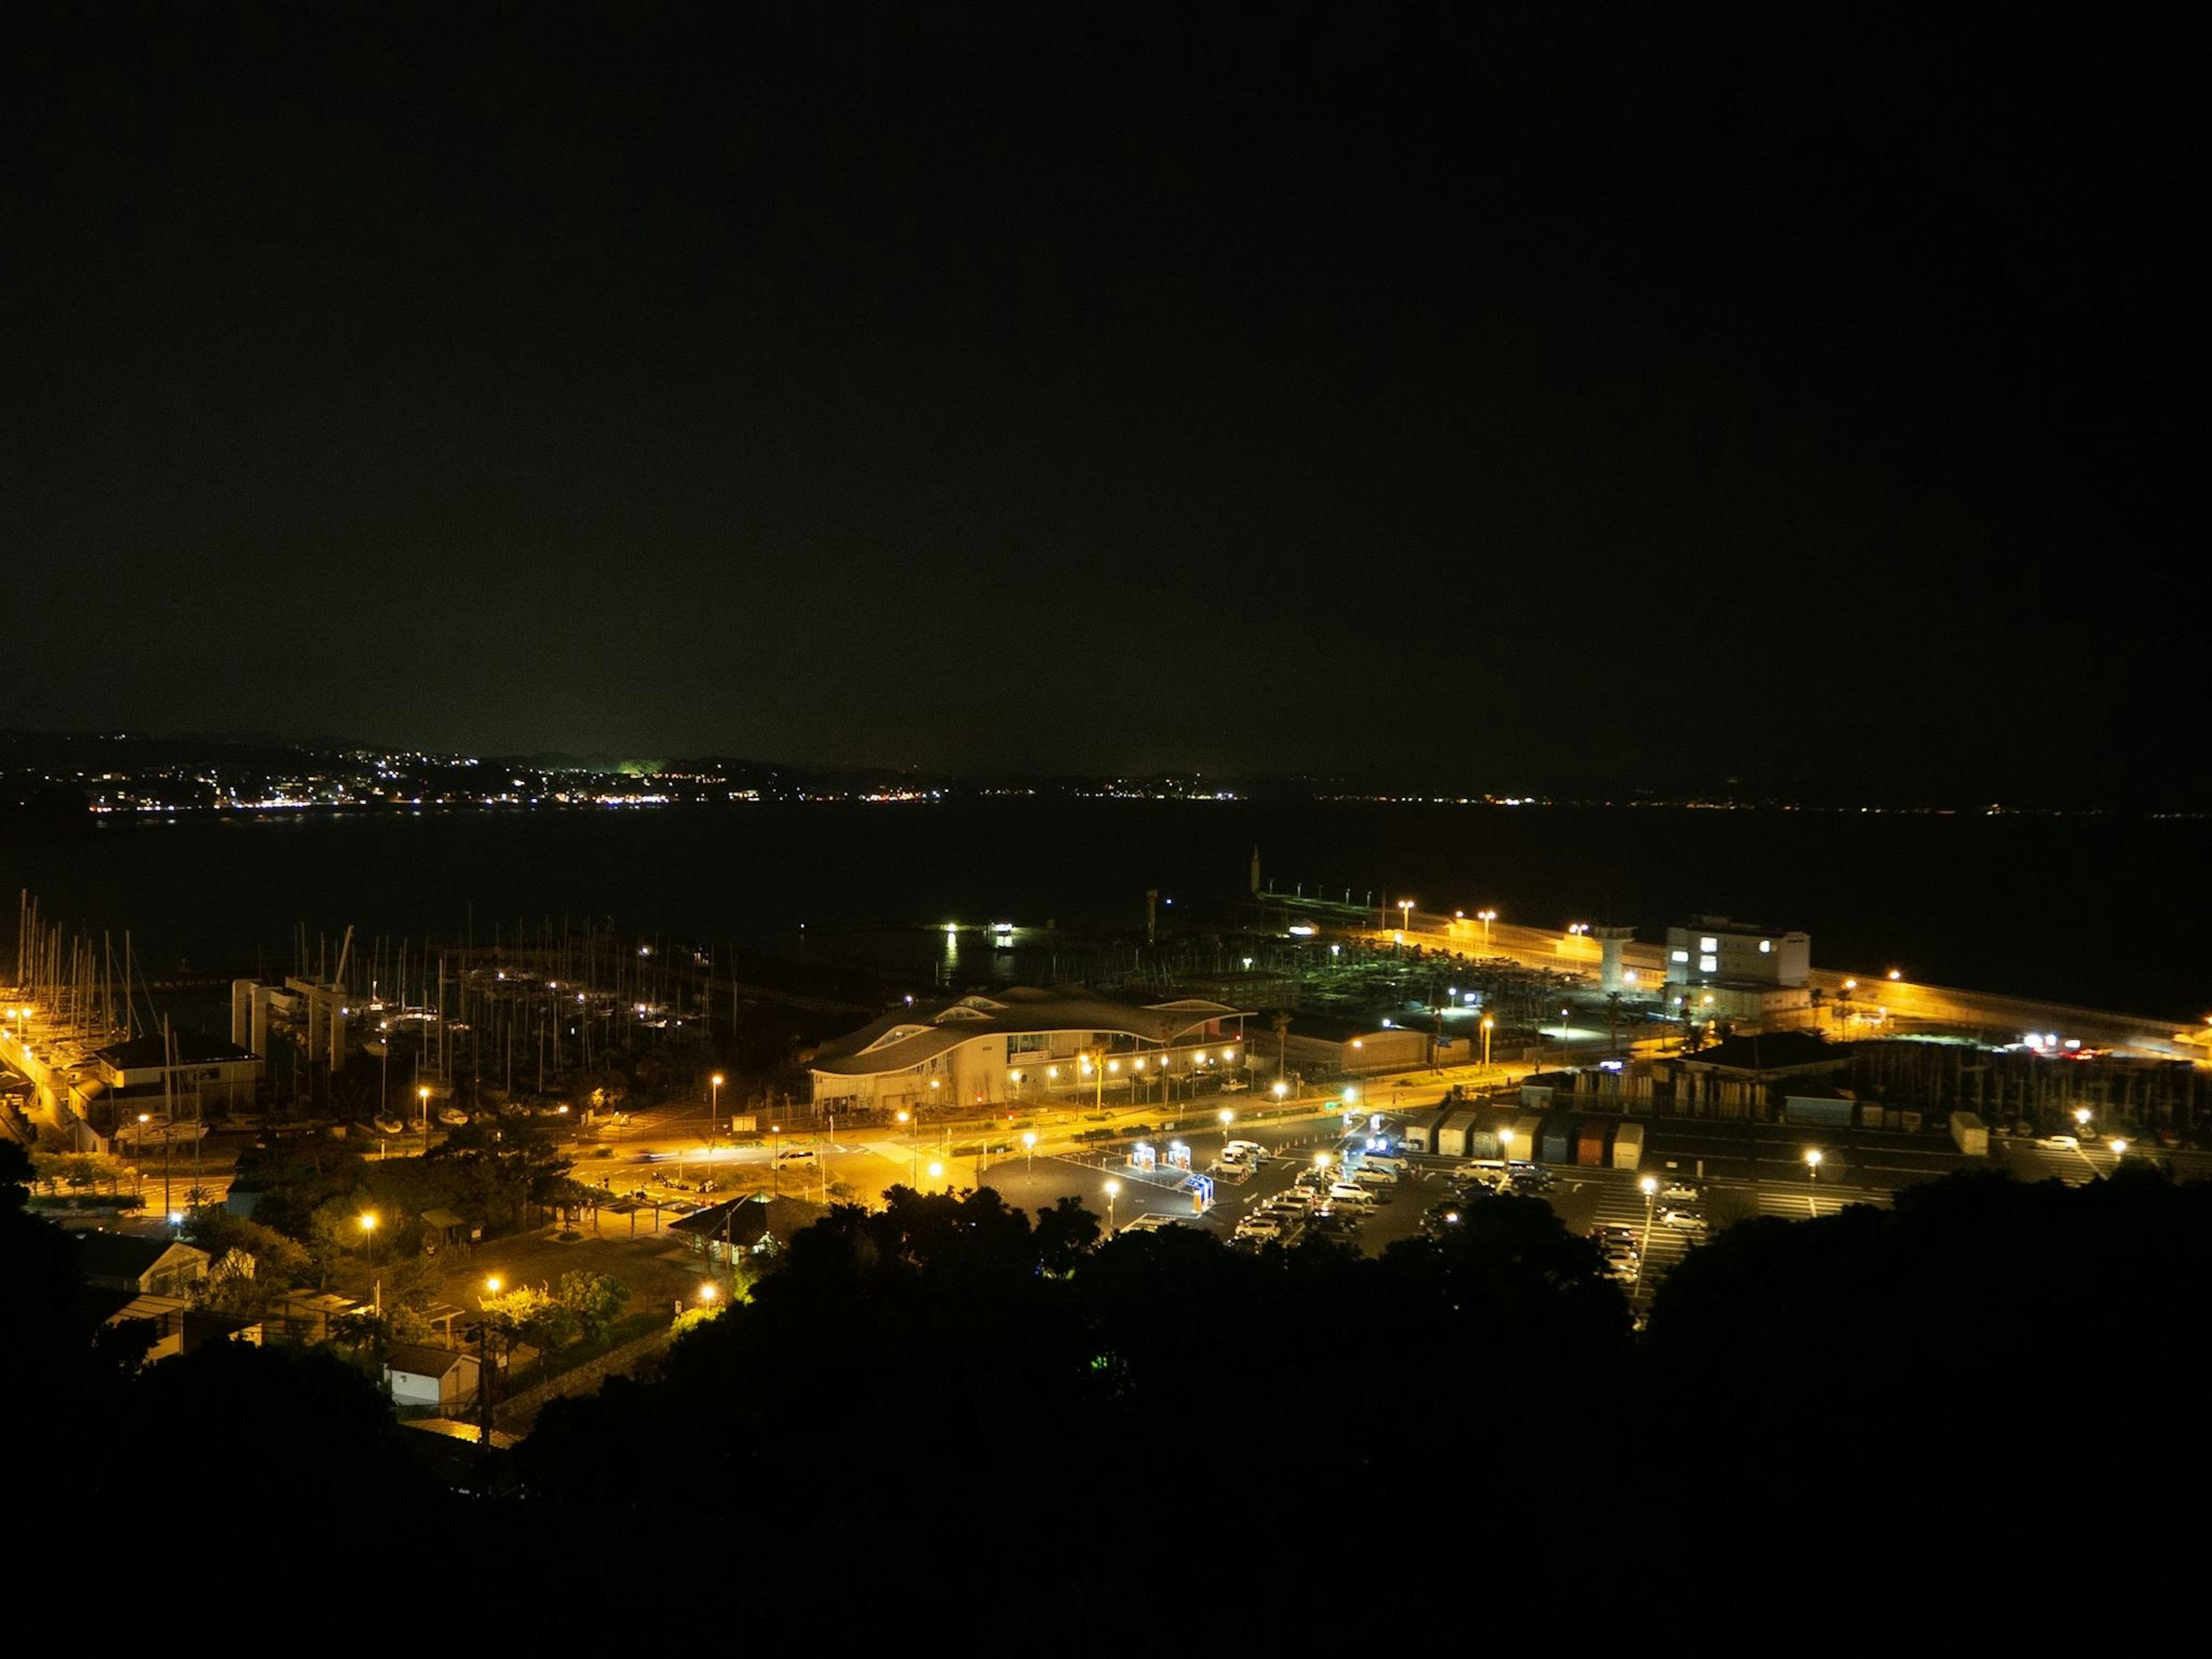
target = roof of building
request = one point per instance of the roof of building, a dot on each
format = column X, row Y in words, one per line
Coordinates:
column 907, row 1038
column 1769, row 1051
column 103, row 1254
column 1339, row 1027
column 444, row 1220
column 749, row 1219
column 419, row 1359
column 184, row 1048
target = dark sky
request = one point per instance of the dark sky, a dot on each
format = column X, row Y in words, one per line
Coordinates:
column 1513, row 392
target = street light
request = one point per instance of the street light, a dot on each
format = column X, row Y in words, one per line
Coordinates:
column 1113, row 1191
column 2081, row 1115
column 1227, row 1117
column 484, row 1365
column 913, row 1142
column 1486, row 917
column 1650, row 1187
column 1405, row 913
column 145, row 1118
column 714, row 1105
column 1487, row 1024
column 1813, row 1164
column 1505, row 1147
column 368, row 1236
column 1029, row 1150
column 775, row 1153
column 2119, row 1149
column 936, row 1172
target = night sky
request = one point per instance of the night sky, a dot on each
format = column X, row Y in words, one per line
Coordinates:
column 1500, row 394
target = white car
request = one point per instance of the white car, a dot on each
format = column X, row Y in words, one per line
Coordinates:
column 1676, row 1189
column 2060, row 1143
column 1685, row 1216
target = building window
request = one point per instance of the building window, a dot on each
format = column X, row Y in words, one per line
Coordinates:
column 1028, row 1043
column 1681, row 955
column 1708, row 964
column 1709, row 945
column 1764, row 945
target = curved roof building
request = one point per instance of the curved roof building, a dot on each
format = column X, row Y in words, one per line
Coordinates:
column 1023, row 1044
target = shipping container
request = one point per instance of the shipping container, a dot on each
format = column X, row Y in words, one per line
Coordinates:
column 1971, row 1134
column 1825, row 1111
column 1482, row 1145
column 1590, row 1144
column 1451, row 1134
column 1527, row 1140
column 1556, row 1143
column 1628, row 1146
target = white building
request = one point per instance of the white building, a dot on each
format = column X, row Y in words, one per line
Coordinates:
column 1025, row 1045
column 187, row 1073
column 1723, row 969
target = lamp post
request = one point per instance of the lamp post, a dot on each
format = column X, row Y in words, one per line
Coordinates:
column 1029, row 1151
column 913, row 1146
column 1505, row 1147
column 1486, row 1023
column 368, row 1236
column 936, row 1172
column 1486, row 917
column 713, row 1106
column 1563, row 1037
column 143, row 1117
column 422, row 1111
column 484, row 1365
column 775, row 1153
column 1406, row 916
column 1227, row 1118
column 1650, row 1187
column 1113, row 1191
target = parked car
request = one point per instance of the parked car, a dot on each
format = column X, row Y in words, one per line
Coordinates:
column 2061, row 1142
column 1687, row 1217
column 1680, row 1189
